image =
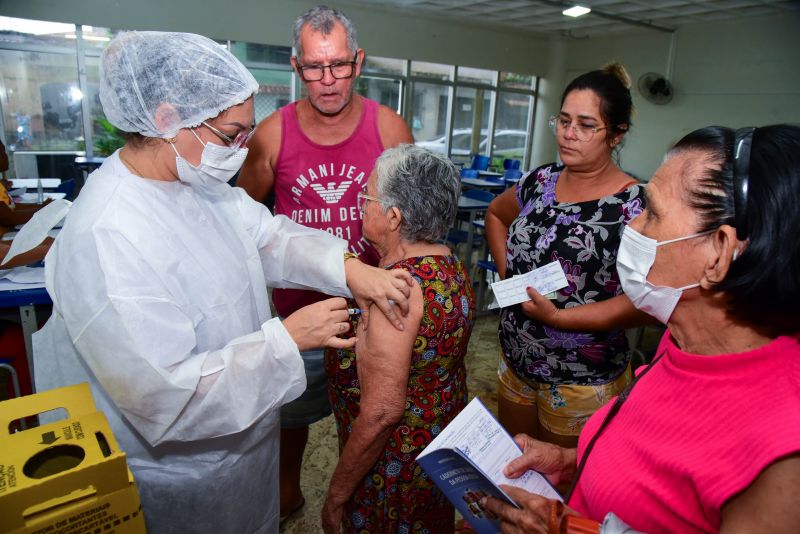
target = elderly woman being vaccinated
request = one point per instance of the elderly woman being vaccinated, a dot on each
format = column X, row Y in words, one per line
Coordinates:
column 159, row 285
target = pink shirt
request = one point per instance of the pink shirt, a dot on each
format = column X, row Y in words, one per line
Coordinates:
column 695, row 431
column 316, row 186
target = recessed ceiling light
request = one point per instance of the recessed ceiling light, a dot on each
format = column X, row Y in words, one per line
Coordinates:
column 576, row 11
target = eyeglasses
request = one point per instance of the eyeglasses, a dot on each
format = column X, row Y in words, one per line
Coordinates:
column 362, row 199
column 583, row 132
column 239, row 141
column 340, row 70
column 741, row 179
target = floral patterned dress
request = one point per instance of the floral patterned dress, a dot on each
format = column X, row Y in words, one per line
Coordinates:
column 397, row 495
column 584, row 237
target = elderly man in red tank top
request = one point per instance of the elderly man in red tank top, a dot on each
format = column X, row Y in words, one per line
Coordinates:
column 316, row 154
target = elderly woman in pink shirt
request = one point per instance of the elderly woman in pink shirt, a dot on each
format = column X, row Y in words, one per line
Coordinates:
column 707, row 437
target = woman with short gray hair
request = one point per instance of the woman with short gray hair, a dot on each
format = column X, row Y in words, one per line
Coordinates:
column 424, row 186
column 399, row 388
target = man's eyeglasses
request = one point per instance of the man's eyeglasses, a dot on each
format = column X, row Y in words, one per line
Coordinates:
column 583, row 132
column 339, row 70
column 363, row 198
column 239, row 141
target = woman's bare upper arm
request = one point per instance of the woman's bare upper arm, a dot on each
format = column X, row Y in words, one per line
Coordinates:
column 384, row 352
column 505, row 206
column 769, row 504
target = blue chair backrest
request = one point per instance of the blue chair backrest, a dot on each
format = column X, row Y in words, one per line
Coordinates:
column 67, row 187
column 479, row 194
column 512, row 174
column 514, row 164
column 469, row 173
column 480, row 163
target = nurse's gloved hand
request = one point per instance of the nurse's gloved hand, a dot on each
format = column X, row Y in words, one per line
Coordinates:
column 388, row 290
column 319, row 325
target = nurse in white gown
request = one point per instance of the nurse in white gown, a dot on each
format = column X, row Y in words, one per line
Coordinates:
column 159, row 285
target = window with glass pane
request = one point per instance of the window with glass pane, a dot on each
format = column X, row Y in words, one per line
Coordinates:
column 430, row 116
column 513, row 80
column 36, row 32
column 261, row 53
column 511, row 125
column 471, row 120
column 42, row 104
column 383, row 65
column 435, row 71
column 96, row 38
column 386, row 92
column 274, row 91
column 471, row 75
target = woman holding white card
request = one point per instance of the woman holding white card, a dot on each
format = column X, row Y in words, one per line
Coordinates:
column 553, row 378
column 707, row 437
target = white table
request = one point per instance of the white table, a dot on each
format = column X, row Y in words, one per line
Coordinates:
column 33, row 183
column 32, row 198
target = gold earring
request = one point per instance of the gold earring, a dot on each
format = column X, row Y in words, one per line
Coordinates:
column 170, row 140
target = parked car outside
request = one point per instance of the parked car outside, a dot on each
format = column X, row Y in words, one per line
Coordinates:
column 507, row 143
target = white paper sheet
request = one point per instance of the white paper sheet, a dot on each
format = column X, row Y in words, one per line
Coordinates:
column 21, row 278
column 477, row 434
column 545, row 279
column 23, row 275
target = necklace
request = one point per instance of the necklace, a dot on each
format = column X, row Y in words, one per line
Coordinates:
column 130, row 165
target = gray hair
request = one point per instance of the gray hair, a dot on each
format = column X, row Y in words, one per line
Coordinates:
column 424, row 186
column 323, row 19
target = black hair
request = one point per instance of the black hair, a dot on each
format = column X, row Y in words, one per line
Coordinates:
column 612, row 85
column 764, row 281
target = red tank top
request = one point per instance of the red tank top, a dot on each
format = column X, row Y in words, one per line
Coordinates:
column 316, row 186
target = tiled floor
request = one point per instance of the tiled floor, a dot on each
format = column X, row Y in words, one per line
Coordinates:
column 322, row 451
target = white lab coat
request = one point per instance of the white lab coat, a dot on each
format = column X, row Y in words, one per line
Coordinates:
column 160, row 302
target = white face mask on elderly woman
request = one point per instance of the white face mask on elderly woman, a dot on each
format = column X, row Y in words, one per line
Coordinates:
column 218, row 164
column 635, row 258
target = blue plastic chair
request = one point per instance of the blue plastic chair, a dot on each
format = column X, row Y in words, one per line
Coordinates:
column 482, row 269
column 458, row 236
column 469, row 173
column 480, row 163
column 479, row 194
column 509, row 164
column 67, row 187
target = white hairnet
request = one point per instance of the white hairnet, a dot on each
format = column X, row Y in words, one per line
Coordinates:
column 187, row 78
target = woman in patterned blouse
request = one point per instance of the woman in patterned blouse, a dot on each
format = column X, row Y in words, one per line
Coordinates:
column 556, row 369
column 400, row 388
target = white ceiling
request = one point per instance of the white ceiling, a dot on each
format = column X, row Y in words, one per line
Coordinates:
column 608, row 16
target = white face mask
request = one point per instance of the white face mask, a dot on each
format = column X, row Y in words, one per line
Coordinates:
column 635, row 258
column 218, row 164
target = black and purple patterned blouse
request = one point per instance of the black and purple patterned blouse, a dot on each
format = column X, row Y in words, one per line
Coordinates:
column 584, row 237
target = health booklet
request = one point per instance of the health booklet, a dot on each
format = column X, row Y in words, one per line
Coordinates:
column 466, row 461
